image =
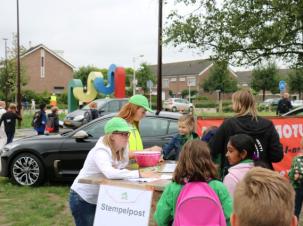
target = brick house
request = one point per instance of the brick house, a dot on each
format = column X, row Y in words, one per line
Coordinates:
column 245, row 79
column 46, row 70
column 178, row 75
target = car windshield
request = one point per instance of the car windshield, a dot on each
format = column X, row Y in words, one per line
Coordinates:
column 98, row 102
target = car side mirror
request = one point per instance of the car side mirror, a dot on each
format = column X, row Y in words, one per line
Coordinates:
column 80, row 135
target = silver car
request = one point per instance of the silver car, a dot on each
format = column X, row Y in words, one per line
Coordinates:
column 178, row 104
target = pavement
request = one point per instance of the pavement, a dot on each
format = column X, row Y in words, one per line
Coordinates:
column 25, row 132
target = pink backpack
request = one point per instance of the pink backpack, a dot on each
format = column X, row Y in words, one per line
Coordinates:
column 198, row 204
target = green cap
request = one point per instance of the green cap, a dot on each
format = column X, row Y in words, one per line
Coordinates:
column 141, row 101
column 116, row 124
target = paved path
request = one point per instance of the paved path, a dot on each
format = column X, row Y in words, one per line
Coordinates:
column 25, row 132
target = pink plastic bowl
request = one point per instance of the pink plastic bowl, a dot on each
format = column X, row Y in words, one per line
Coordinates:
column 147, row 158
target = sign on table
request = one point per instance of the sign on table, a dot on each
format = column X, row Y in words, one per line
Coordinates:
column 122, row 206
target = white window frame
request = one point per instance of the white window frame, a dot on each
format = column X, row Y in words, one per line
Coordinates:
column 42, row 63
column 173, row 79
column 182, row 79
column 191, row 81
column 165, row 83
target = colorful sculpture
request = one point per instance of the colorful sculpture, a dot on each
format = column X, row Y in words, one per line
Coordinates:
column 95, row 84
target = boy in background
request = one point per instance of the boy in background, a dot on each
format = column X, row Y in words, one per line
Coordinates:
column 296, row 179
column 9, row 119
column 264, row 198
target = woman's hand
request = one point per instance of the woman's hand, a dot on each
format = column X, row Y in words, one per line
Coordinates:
column 131, row 155
column 149, row 174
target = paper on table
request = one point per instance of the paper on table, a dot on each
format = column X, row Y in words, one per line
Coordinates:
column 143, row 179
column 162, row 177
column 169, row 168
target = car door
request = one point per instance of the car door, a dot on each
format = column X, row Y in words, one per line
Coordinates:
column 74, row 151
column 157, row 130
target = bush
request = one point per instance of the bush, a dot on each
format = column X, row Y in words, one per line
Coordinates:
column 206, row 104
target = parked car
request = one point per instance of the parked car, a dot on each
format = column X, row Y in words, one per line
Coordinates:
column 295, row 112
column 33, row 160
column 177, row 104
column 270, row 102
column 297, row 103
column 104, row 106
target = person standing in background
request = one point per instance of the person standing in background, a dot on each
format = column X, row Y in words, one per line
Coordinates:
column 9, row 119
column 33, row 105
column 284, row 105
column 52, row 125
column 39, row 120
column 3, row 137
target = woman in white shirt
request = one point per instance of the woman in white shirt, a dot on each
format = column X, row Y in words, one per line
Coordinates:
column 107, row 159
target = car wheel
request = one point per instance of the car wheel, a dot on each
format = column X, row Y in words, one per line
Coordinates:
column 174, row 109
column 27, row 170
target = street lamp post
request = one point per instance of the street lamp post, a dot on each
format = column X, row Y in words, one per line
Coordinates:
column 19, row 106
column 159, row 68
column 134, row 74
column 6, row 71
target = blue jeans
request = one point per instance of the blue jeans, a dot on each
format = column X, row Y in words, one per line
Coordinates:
column 82, row 211
column 10, row 137
column 298, row 200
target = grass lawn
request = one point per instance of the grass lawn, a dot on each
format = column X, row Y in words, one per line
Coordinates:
column 34, row 206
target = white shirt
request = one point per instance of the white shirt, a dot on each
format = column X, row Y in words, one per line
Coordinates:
column 99, row 163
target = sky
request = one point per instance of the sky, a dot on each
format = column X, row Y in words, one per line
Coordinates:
column 92, row 32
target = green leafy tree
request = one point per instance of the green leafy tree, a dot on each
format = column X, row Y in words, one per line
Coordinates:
column 8, row 73
column 220, row 79
column 241, row 32
column 265, row 78
column 143, row 75
column 185, row 93
column 83, row 72
column 129, row 76
column 295, row 81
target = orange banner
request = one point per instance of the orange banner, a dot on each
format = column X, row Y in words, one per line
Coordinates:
column 290, row 130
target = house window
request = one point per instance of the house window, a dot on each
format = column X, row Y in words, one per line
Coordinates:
column 182, row 79
column 42, row 64
column 58, row 89
column 173, row 79
column 165, row 83
column 191, row 81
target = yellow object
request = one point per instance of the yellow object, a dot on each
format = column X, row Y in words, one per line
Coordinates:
column 91, row 92
column 134, row 140
column 53, row 100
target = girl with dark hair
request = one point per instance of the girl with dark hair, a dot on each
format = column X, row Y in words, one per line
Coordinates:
column 240, row 155
column 194, row 165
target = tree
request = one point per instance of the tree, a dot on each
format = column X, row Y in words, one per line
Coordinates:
column 265, row 78
column 83, row 72
column 129, row 76
column 220, row 79
column 8, row 73
column 295, row 81
column 143, row 75
column 241, row 32
column 185, row 93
